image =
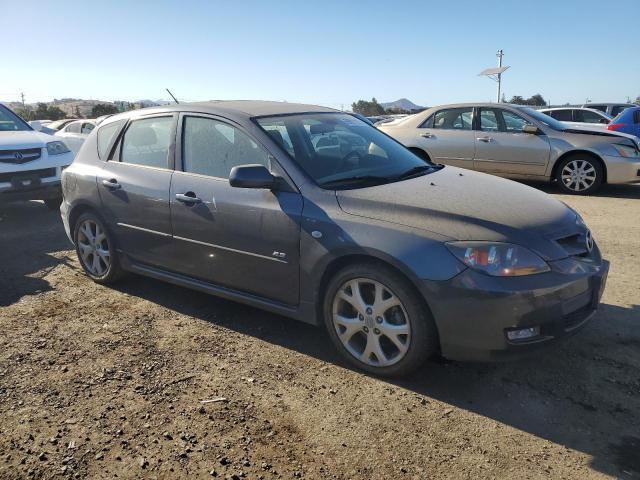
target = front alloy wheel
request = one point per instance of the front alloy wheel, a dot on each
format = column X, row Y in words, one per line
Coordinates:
column 378, row 321
column 371, row 322
column 579, row 175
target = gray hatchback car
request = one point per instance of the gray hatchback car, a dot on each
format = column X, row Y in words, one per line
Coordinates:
column 311, row 213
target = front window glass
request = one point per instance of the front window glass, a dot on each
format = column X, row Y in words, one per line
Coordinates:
column 86, row 128
column 10, row 122
column 544, row 119
column 453, row 119
column 586, row 116
column 340, row 151
column 618, row 109
column 73, row 128
column 513, row 123
column 488, row 120
column 146, row 142
column 213, row 148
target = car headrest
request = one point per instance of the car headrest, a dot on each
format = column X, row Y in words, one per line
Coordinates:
column 143, row 137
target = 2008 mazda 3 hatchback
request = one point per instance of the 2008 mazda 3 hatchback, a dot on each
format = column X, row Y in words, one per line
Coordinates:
column 311, row 213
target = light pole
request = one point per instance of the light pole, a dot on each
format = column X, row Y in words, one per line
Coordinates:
column 500, row 54
column 495, row 74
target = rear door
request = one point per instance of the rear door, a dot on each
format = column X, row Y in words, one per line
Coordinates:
column 134, row 187
column 503, row 148
column 448, row 138
column 243, row 239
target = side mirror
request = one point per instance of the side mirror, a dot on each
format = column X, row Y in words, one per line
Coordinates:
column 531, row 129
column 251, row 176
column 36, row 125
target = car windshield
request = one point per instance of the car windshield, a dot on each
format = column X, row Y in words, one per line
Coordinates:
column 339, row 151
column 10, row 122
column 545, row 119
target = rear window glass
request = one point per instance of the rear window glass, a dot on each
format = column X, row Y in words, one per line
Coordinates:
column 106, row 135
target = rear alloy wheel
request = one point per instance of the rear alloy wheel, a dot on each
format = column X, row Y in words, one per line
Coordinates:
column 377, row 321
column 579, row 175
column 95, row 249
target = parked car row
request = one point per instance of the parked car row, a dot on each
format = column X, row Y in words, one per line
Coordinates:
column 396, row 257
column 521, row 143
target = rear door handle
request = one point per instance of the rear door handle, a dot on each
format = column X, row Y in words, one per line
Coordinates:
column 484, row 139
column 112, row 183
column 188, row 197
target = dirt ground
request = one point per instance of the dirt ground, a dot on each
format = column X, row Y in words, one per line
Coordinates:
column 103, row 382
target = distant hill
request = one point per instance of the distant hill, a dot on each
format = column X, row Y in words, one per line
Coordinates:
column 403, row 104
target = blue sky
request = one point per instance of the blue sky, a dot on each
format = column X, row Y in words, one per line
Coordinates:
column 324, row 52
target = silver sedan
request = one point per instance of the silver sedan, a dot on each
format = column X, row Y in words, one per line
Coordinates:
column 519, row 142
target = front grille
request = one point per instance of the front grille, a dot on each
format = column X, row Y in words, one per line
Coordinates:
column 574, row 245
column 20, row 156
column 42, row 173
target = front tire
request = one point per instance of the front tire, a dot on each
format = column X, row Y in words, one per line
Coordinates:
column 579, row 174
column 377, row 320
column 95, row 247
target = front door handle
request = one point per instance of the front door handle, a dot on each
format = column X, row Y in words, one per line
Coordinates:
column 188, row 197
column 484, row 139
column 112, row 183
column 427, row 135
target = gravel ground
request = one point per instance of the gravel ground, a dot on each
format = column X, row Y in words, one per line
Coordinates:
column 148, row 380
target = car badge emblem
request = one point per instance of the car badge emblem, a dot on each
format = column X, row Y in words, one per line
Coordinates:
column 588, row 240
column 18, row 156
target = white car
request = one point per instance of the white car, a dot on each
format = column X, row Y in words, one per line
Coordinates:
column 75, row 133
column 579, row 117
column 30, row 162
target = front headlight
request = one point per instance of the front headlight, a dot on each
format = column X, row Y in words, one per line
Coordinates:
column 498, row 259
column 57, row 148
column 626, row 151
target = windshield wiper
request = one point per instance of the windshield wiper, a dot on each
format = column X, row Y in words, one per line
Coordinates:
column 414, row 172
column 357, row 179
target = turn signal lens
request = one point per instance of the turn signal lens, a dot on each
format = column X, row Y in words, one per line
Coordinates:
column 498, row 259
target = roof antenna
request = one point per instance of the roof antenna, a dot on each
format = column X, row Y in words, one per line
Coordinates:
column 174, row 98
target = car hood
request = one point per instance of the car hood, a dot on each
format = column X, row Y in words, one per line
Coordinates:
column 25, row 139
column 466, row 205
column 605, row 135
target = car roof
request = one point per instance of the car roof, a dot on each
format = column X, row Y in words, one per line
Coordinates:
column 573, row 108
column 233, row 109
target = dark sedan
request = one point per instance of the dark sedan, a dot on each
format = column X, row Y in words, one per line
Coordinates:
column 311, row 213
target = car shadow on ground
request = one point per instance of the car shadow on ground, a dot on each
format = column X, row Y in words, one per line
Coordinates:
column 607, row 191
column 30, row 234
column 555, row 395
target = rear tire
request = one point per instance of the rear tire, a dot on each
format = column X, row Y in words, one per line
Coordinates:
column 579, row 174
column 95, row 247
column 377, row 320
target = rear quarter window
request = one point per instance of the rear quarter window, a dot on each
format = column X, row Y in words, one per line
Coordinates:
column 106, row 134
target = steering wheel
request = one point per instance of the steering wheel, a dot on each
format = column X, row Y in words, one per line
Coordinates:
column 346, row 158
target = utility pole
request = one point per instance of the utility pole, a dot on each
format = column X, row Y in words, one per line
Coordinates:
column 500, row 54
column 22, row 96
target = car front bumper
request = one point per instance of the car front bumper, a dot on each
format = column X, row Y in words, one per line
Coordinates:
column 474, row 311
column 622, row 170
column 41, row 191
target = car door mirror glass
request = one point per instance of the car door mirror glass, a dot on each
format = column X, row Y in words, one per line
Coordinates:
column 251, row 176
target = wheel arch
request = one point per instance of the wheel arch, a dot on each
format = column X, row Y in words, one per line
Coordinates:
column 571, row 153
column 78, row 210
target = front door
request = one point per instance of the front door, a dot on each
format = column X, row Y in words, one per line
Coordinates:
column 504, row 149
column 448, row 138
column 243, row 239
column 134, row 188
